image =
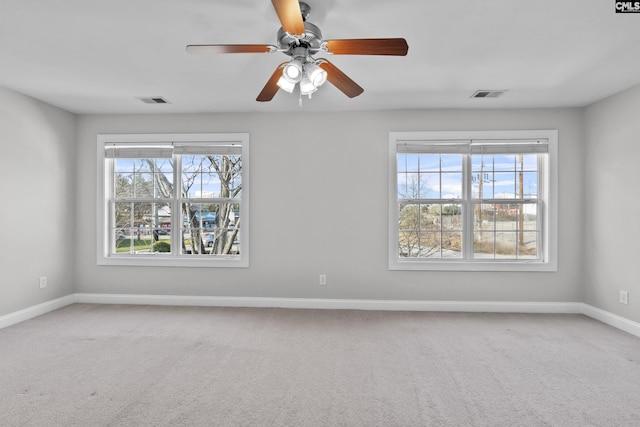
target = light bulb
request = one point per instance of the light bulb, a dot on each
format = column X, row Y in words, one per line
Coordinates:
column 316, row 74
column 293, row 71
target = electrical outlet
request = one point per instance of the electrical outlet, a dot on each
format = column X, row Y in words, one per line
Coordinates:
column 323, row 279
column 43, row 282
column 624, row 297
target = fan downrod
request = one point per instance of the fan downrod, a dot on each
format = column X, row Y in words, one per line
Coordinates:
column 305, row 9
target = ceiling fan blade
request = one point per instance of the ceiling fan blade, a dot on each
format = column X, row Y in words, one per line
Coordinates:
column 394, row 47
column 271, row 88
column 290, row 15
column 230, row 48
column 340, row 79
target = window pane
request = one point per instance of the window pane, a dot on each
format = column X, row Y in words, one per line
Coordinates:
column 430, row 230
column 408, row 217
column 139, row 225
column 164, row 165
column 211, row 229
column 122, row 239
column 529, row 185
column 505, row 245
column 430, row 245
column 212, row 176
column 504, row 162
column 429, row 176
column 236, row 185
column 505, row 176
column 161, row 227
column 482, row 178
column 123, row 217
column 124, row 165
column 408, row 186
column 429, row 186
column 412, row 218
column 483, row 186
column 191, row 163
column 229, row 170
column 407, row 162
column 451, row 162
column 481, row 163
column 143, row 185
column 452, row 245
column 142, row 165
column 210, row 186
column 430, row 162
column 529, row 162
column 451, row 186
column 451, row 217
column 198, row 219
column 504, row 185
column 483, row 245
column 123, row 185
column 148, row 178
column 192, row 171
column 528, row 246
column 506, row 230
column 407, row 244
column 500, row 245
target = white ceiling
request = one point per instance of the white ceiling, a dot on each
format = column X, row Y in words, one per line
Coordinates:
column 91, row 56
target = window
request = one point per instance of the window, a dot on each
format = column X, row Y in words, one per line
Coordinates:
column 473, row 201
column 173, row 200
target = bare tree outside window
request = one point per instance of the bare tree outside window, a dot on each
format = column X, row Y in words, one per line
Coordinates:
column 210, row 186
column 428, row 225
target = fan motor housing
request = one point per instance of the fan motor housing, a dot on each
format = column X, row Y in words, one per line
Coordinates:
column 311, row 39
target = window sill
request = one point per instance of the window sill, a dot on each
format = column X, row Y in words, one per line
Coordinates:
column 172, row 261
column 422, row 265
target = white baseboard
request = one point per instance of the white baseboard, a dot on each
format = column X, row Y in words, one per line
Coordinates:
column 612, row 319
column 35, row 311
column 333, row 304
column 330, row 304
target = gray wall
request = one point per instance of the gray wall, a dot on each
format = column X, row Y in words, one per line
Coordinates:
column 38, row 201
column 612, row 206
column 333, row 211
column 319, row 197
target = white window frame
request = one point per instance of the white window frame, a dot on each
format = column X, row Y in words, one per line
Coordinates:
column 548, row 195
column 104, row 183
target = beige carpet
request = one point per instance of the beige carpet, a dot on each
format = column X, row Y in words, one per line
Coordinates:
column 114, row 365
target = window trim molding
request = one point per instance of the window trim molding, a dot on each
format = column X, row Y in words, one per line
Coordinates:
column 549, row 204
column 103, row 256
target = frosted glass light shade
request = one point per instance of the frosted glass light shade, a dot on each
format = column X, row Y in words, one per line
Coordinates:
column 293, row 71
column 285, row 84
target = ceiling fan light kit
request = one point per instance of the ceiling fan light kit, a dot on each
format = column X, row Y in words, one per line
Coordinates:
column 304, row 71
column 286, row 85
column 301, row 40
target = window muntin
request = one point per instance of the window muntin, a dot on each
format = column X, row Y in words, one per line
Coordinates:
column 506, row 223
column 141, row 227
column 174, row 199
column 473, row 200
column 429, row 230
column 507, row 231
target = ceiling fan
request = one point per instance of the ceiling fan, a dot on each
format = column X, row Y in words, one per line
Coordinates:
column 301, row 40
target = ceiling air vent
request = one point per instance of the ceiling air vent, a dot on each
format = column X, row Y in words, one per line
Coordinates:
column 488, row 93
column 154, row 100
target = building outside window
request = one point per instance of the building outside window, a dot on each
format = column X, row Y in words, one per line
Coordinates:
column 174, row 200
column 473, row 201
